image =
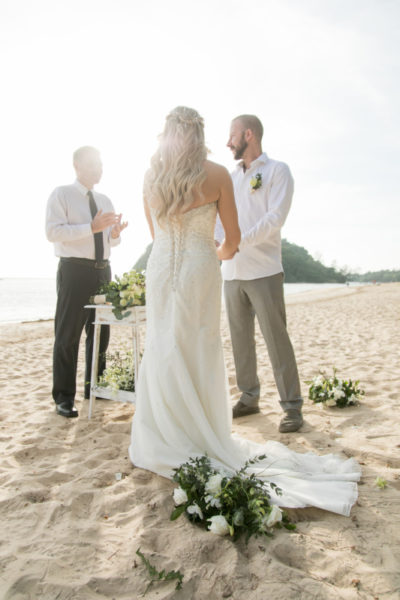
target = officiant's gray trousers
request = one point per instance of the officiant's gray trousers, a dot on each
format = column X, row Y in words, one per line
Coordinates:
column 245, row 299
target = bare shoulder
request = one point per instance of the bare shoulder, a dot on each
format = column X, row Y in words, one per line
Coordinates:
column 217, row 171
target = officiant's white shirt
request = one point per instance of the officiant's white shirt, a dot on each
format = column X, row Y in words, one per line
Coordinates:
column 261, row 213
column 68, row 222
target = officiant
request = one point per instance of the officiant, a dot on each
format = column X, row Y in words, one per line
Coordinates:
column 83, row 227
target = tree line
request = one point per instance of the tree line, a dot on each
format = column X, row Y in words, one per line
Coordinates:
column 300, row 267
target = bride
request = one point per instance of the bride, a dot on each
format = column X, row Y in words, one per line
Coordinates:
column 182, row 407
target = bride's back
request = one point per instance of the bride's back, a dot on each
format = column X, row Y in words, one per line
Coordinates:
column 211, row 186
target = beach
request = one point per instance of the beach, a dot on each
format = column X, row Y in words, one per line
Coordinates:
column 74, row 510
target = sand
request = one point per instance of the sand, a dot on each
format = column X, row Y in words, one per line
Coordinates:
column 70, row 529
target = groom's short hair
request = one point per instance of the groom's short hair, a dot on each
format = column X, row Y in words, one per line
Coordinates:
column 252, row 122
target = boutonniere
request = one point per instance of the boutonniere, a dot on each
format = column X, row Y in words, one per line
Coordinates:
column 256, row 182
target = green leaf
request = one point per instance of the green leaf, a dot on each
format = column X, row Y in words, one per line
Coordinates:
column 177, row 512
column 160, row 575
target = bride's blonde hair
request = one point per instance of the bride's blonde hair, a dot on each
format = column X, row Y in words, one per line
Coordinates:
column 177, row 168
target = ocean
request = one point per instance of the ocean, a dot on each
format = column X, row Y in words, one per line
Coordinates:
column 29, row 299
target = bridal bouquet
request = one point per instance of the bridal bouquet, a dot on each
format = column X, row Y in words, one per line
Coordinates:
column 332, row 391
column 226, row 505
column 126, row 291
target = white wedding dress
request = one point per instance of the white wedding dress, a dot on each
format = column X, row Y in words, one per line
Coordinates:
column 182, row 407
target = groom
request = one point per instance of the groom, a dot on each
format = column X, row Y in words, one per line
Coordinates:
column 254, row 277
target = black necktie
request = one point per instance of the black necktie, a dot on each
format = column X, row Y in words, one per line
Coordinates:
column 98, row 237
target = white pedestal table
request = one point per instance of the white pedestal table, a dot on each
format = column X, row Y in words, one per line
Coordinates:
column 105, row 316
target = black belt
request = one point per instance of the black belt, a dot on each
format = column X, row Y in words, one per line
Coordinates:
column 87, row 262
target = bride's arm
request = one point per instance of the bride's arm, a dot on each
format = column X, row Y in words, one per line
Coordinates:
column 148, row 217
column 229, row 218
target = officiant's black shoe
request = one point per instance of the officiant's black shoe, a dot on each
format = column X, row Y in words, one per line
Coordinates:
column 292, row 421
column 66, row 410
column 242, row 410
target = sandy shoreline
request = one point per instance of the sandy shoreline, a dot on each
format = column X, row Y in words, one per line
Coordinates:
column 70, row 529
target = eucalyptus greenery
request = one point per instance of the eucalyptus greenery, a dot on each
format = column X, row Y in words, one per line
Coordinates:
column 227, row 505
column 160, row 575
column 333, row 391
column 125, row 292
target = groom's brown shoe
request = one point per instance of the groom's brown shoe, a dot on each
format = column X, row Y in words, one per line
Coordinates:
column 242, row 410
column 292, row 421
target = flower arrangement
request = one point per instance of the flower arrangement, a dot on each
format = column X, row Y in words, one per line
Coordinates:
column 256, row 182
column 126, row 291
column 226, row 505
column 332, row 391
column 120, row 374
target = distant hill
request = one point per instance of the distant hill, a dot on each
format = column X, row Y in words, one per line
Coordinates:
column 385, row 276
column 298, row 264
column 301, row 267
column 141, row 263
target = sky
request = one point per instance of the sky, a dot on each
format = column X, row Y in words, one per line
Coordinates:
column 322, row 75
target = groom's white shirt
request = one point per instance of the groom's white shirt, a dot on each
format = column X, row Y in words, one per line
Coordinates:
column 261, row 214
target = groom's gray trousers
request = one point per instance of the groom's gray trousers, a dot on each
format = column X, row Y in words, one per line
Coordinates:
column 244, row 299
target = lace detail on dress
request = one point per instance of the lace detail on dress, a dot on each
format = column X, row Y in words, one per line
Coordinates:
column 192, row 237
column 176, row 234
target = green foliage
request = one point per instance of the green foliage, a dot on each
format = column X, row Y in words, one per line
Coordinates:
column 141, row 263
column 160, row 575
column 300, row 267
column 126, row 291
column 234, row 505
column 384, row 276
column 120, row 374
column 333, row 391
column 381, row 483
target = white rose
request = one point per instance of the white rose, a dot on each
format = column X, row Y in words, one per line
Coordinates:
column 213, row 485
column 180, row 496
column 318, row 380
column 338, row 393
column 213, row 501
column 219, row 525
column 331, row 402
column 194, row 509
column 274, row 516
column 136, row 289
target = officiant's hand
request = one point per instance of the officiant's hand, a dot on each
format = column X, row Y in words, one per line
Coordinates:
column 118, row 227
column 103, row 220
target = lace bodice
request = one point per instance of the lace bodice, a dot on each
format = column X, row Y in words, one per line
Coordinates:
column 191, row 241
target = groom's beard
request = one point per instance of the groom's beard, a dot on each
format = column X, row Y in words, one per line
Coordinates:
column 239, row 150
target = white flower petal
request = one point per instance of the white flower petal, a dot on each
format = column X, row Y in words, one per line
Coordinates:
column 219, row 525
